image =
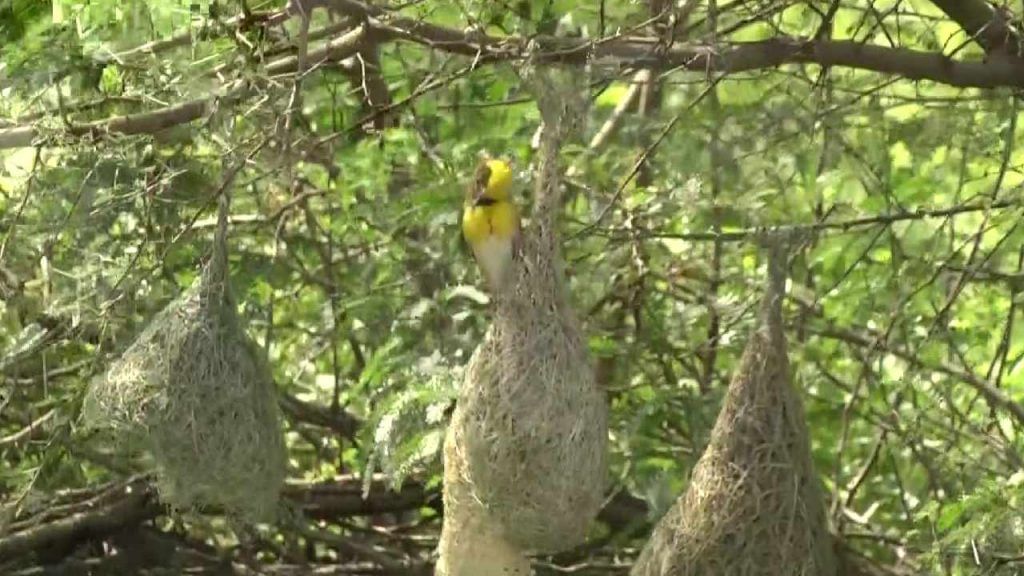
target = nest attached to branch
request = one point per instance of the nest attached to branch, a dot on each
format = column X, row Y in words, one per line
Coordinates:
column 526, row 451
column 754, row 505
column 198, row 394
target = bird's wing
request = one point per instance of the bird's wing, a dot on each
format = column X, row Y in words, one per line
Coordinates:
column 463, row 243
column 472, row 191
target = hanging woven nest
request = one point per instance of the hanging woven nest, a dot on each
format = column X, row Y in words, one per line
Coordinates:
column 197, row 393
column 526, row 451
column 754, row 505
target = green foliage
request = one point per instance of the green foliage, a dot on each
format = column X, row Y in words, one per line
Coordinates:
column 981, row 531
column 408, row 426
column 349, row 267
column 17, row 17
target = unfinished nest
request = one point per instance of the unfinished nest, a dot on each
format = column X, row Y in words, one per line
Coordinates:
column 525, row 455
column 754, row 505
column 198, row 394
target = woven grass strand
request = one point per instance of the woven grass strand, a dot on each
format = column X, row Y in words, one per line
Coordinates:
column 526, row 451
column 754, row 506
column 196, row 393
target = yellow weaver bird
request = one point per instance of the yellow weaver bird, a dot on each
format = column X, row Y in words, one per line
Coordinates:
column 490, row 221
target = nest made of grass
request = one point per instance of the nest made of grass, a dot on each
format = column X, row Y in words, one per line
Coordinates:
column 754, row 505
column 529, row 434
column 198, row 395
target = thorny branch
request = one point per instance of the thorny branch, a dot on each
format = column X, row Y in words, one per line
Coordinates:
column 381, row 26
column 837, row 226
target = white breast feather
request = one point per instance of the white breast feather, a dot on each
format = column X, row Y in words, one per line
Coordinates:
column 494, row 255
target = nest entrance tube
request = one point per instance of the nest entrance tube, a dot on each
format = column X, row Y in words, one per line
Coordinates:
column 196, row 392
column 754, row 505
column 525, row 456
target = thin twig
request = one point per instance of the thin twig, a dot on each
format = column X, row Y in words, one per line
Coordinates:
column 641, row 160
column 753, row 234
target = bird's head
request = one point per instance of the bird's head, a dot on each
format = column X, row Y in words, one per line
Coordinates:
column 493, row 180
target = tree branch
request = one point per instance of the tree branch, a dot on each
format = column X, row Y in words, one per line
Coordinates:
column 341, row 422
column 156, row 120
column 35, row 429
column 989, row 26
column 994, row 397
column 344, row 497
column 640, row 52
column 627, row 52
column 332, row 499
column 329, row 500
column 132, row 509
column 838, row 225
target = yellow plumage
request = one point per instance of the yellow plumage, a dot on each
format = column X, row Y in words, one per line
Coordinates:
column 490, row 221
